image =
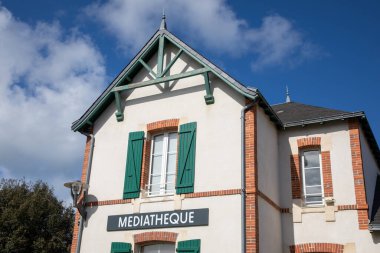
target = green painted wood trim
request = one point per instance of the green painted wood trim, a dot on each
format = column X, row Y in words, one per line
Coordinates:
column 161, row 80
column 186, row 158
column 125, row 76
column 133, row 165
column 119, row 112
column 147, row 67
column 121, row 247
column 160, row 55
column 214, row 72
column 178, row 54
column 209, row 98
column 189, row 246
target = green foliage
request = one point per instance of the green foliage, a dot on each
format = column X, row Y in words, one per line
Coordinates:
column 32, row 219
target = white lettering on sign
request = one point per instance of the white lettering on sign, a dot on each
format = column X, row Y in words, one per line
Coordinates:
column 122, row 222
column 180, row 218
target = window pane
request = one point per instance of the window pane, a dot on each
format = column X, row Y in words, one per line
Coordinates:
column 172, row 159
column 159, row 248
column 314, row 190
column 312, row 177
column 314, row 199
column 158, row 144
column 155, row 184
column 156, row 164
column 172, row 142
column 170, row 182
column 311, row 159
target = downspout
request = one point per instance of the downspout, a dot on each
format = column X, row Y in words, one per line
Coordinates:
column 243, row 190
column 81, row 220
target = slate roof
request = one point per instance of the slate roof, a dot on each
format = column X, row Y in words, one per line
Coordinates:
column 375, row 214
column 293, row 112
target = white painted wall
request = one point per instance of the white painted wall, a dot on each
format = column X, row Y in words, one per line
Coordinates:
column 217, row 165
column 221, row 235
column 371, row 170
column 218, row 132
column 268, row 183
column 334, row 138
column 314, row 228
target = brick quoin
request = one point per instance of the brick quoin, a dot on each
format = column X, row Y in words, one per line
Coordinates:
column 317, row 247
column 83, row 180
column 155, row 237
column 295, row 174
column 252, row 225
column 326, row 171
column 357, row 167
column 154, row 128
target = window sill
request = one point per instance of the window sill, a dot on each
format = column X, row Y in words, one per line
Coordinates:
column 328, row 209
column 175, row 199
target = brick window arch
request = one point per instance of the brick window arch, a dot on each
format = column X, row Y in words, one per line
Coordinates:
column 155, row 237
column 154, row 128
column 317, row 247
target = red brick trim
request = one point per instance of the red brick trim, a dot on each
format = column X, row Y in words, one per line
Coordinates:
column 155, row 237
column 296, row 179
column 352, row 207
column 108, row 202
column 213, row 193
column 317, row 247
column 145, row 163
column 83, row 179
column 357, row 167
column 326, row 174
column 251, row 223
column 188, row 195
column 162, row 125
column 309, row 142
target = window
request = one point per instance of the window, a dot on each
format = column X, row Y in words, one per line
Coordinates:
column 158, row 248
column 163, row 164
column 312, row 180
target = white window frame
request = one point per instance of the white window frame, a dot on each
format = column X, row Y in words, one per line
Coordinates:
column 141, row 248
column 315, row 203
column 164, row 164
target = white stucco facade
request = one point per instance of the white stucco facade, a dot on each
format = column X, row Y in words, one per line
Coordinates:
column 279, row 220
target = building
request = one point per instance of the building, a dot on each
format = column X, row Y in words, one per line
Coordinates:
column 180, row 157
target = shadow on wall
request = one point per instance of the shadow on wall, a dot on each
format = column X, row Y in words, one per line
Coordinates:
column 90, row 207
column 376, row 237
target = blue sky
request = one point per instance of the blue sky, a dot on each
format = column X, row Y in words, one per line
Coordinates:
column 327, row 52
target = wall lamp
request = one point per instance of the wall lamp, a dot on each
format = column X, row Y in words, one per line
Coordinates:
column 76, row 188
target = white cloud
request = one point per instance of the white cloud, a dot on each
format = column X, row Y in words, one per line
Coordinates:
column 209, row 23
column 47, row 79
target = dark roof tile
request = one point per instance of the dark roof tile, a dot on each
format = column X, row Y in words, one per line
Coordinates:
column 292, row 112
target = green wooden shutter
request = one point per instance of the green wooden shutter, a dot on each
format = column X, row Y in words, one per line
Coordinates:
column 133, row 165
column 121, row 247
column 186, row 158
column 190, row 246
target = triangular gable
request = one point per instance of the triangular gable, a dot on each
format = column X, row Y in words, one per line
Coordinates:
column 156, row 45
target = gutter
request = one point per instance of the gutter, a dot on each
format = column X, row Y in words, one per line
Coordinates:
column 243, row 187
column 342, row 116
column 373, row 227
column 81, row 220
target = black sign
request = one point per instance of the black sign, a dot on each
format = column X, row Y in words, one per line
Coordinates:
column 180, row 218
